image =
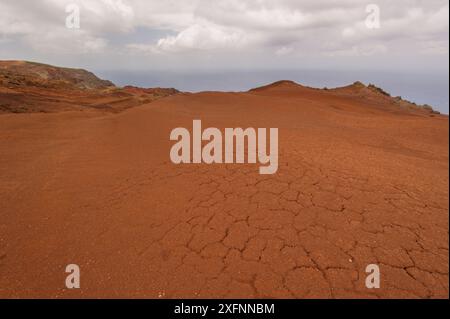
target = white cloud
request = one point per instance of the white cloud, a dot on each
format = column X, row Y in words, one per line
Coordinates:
column 107, row 15
column 285, row 50
column 203, row 36
column 359, row 50
column 63, row 42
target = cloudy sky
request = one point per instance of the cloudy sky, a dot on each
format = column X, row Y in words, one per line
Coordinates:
column 210, row 34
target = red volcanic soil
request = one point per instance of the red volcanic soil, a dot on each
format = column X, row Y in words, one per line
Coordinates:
column 362, row 179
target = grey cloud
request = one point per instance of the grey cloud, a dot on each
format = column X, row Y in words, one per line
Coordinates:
column 229, row 30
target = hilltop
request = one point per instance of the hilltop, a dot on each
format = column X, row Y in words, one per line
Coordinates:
column 29, row 87
column 368, row 95
column 23, row 73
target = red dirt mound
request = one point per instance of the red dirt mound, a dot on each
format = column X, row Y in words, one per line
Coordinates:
column 360, row 181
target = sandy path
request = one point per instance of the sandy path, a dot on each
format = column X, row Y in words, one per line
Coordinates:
column 356, row 185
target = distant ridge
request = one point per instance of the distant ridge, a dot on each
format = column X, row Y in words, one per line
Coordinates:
column 19, row 73
column 30, row 87
column 37, row 87
column 370, row 93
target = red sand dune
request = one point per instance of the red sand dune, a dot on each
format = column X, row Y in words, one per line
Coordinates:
column 362, row 179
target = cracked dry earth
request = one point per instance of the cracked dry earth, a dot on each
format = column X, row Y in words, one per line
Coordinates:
column 357, row 184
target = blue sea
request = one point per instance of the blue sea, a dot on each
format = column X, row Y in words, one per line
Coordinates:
column 425, row 88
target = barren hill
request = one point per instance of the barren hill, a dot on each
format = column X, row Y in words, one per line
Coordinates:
column 368, row 95
column 23, row 73
column 28, row 87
